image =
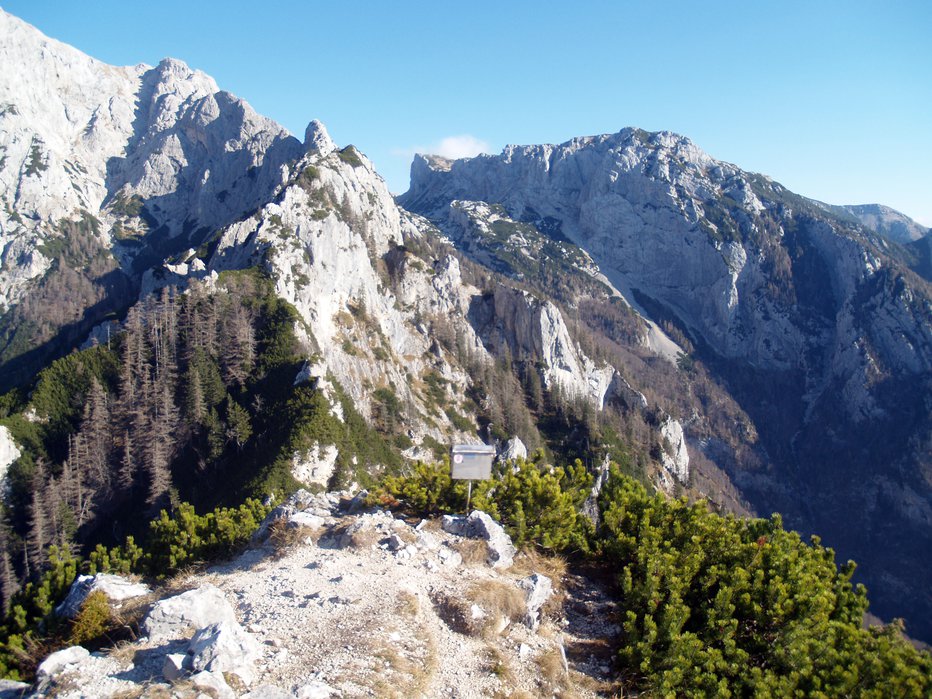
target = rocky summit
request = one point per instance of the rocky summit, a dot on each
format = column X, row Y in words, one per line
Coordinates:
column 330, row 603
column 814, row 323
column 202, row 313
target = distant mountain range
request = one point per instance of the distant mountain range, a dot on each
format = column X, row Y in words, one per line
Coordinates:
column 622, row 296
column 888, row 222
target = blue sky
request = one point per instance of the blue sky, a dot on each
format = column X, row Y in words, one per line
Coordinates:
column 833, row 99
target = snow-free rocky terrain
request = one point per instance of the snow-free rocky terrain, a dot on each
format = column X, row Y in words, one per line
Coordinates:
column 336, row 601
column 815, row 323
column 741, row 342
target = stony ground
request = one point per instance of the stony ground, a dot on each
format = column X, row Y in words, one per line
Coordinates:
column 370, row 605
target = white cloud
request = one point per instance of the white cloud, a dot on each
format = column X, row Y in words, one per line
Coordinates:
column 461, row 146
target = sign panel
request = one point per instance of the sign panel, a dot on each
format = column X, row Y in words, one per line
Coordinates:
column 471, row 462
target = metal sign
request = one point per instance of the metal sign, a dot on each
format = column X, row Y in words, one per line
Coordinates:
column 471, row 462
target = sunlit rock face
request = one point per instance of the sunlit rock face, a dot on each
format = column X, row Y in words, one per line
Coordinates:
column 816, row 323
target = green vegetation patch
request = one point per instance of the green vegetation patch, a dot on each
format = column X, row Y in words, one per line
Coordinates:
column 131, row 206
column 709, row 605
column 37, row 162
column 350, row 156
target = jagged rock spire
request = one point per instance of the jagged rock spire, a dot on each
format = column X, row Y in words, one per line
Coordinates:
column 317, row 139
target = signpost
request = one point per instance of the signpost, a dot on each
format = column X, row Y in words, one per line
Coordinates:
column 471, row 462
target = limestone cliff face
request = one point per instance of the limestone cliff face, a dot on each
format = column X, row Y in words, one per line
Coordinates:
column 105, row 171
column 118, row 181
column 515, row 321
column 753, row 272
column 822, row 333
column 141, row 149
column 663, row 219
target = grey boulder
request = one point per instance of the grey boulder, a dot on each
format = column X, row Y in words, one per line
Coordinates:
column 479, row 525
column 173, row 617
column 115, row 587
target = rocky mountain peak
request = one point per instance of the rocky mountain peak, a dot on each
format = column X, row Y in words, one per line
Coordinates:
column 316, row 139
column 775, row 289
column 888, row 222
column 625, row 286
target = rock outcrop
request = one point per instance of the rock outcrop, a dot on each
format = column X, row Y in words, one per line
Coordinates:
column 512, row 450
column 780, row 295
column 114, row 587
column 601, row 270
column 514, row 321
column 310, row 618
column 9, row 453
column 479, row 525
column 173, row 617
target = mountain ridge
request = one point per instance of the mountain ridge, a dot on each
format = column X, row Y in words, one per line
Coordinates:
column 444, row 322
column 777, row 291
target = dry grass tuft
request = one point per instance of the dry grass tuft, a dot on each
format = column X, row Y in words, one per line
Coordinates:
column 550, row 665
column 157, row 691
column 356, row 535
column 497, row 596
column 530, row 560
column 407, row 604
column 182, row 581
column 405, row 533
column 183, row 689
column 131, row 693
column 593, row 685
column 285, row 538
column 514, row 694
column 62, row 684
column 497, row 664
column 432, row 525
column 404, row 670
column 123, row 652
column 236, row 684
column 474, row 551
column 499, row 600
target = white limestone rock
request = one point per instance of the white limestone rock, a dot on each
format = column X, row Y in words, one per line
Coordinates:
column 316, row 139
column 537, row 590
column 225, row 647
column 316, row 690
column 316, row 465
column 268, row 691
column 531, row 329
column 175, row 666
column 513, row 449
column 60, row 662
column 674, row 455
column 11, row 689
column 9, row 452
column 213, row 684
column 307, row 520
column 590, row 508
column 448, row 557
column 173, row 617
column 115, row 587
column 479, row 525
